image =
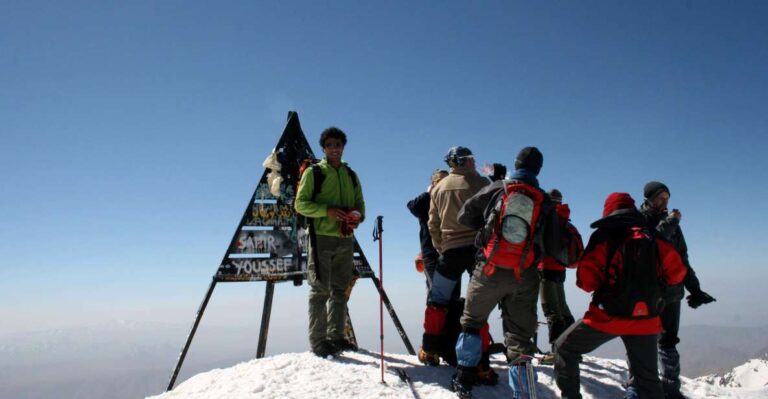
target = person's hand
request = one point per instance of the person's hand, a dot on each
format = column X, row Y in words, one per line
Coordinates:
column 699, row 298
column 336, row 213
column 676, row 214
column 353, row 219
column 419, row 263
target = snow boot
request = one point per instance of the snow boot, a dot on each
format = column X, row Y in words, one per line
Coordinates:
column 673, row 395
column 486, row 375
column 463, row 380
column 342, row 345
column 325, row 348
column 547, row 359
column 670, row 372
column 631, row 393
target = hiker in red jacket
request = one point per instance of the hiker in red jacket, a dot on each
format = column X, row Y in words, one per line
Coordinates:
column 627, row 269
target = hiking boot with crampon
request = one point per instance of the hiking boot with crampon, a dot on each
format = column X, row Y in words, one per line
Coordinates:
column 462, row 391
column 486, row 376
column 547, row 359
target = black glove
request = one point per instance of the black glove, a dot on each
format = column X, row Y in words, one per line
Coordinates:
column 699, row 298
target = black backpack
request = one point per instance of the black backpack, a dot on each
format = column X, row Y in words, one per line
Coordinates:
column 633, row 287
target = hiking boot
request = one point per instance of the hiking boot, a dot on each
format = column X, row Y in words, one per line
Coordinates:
column 324, row 349
column 631, row 393
column 673, row 395
column 342, row 345
column 547, row 359
column 463, row 391
column 429, row 358
column 497, row 347
column 486, row 375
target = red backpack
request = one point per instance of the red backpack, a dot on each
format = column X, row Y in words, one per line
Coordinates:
column 573, row 244
column 516, row 217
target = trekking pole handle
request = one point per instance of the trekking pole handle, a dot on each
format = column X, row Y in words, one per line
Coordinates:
column 378, row 228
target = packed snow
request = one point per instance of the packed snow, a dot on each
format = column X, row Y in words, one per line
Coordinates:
column 358, row 375
column 751, row 375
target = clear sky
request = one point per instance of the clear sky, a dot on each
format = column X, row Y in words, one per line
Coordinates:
column 132, row 134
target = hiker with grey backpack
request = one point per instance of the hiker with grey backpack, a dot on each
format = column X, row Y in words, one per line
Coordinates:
column 517, row 227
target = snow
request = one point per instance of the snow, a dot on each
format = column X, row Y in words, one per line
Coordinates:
column 751, row 375
column 357, row 375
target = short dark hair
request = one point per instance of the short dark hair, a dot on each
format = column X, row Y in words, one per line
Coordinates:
column 333, row 133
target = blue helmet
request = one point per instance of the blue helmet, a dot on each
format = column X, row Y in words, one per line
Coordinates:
column 457, row 156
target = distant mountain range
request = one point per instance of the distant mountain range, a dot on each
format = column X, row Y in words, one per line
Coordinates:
column 709, row 349
column 137, row 358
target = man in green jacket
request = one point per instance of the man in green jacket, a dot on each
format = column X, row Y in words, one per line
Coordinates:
column 334, row 211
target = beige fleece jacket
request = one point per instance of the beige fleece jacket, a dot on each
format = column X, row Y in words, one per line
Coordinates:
column 447, row 198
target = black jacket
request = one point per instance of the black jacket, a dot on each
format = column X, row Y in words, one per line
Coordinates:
column 419, row 207
column 475, row 211
column 668, row 229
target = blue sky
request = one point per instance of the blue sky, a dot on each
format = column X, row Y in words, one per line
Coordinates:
column 132, row 135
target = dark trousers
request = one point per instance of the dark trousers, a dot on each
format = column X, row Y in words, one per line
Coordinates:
column 579, row 339
column 450, row 266
column 670, row 358
column 518, row 307
column 553, row 303
column 430, row 266
column 445, row 284
column 328, row 283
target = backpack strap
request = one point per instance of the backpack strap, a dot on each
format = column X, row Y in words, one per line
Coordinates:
column 353, row 175
column 318, row 176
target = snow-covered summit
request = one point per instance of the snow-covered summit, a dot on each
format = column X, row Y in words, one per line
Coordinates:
column 357, row 375
column 750, row 375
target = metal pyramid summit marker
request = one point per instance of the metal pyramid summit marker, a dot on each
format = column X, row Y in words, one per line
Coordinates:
column 270, row 244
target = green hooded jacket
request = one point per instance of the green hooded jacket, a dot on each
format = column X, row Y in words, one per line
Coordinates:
column 337, row 191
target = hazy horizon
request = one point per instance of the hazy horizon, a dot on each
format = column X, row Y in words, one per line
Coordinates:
column 132, row 137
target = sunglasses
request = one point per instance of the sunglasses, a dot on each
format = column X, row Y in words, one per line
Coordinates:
column 333, row 144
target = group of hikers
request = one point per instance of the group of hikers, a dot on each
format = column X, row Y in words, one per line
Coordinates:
column 515, row 241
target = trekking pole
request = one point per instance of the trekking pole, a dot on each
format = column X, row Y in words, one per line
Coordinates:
column 377, row 230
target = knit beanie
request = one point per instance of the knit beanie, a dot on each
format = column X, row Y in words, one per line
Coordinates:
column 530, row 159
column 499, row 172
column 654, row 188
column 616, row 202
